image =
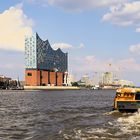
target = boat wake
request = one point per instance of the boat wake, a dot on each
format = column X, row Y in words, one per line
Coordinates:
column 112, row 112
column 126, row 126
column 85, row 134
column 130, row 124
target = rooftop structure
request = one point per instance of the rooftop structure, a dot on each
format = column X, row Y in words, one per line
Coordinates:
column 40, row 55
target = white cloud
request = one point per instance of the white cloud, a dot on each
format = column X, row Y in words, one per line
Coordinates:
column 62, row 46
column 90, row 58
column 128, row 65
column 92, row 64
column 125, row 14
column 138, row 30
column 14, row 25
column 79, row 5
column 66, row 46
column 135, row 49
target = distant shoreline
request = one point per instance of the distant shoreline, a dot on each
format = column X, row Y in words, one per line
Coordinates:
column 51, row 88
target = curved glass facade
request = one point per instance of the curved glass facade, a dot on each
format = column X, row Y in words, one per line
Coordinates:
column 39, row 55
column 30, row 52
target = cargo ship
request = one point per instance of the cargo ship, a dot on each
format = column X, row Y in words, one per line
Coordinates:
column 127, row 99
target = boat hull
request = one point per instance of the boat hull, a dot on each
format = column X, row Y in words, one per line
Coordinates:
column 127, row 106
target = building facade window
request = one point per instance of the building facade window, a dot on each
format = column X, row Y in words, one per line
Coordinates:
column 29, row 74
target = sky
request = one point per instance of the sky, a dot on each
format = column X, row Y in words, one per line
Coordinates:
column 99, row 36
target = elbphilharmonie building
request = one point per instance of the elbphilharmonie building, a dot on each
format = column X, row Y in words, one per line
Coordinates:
column 44, row 66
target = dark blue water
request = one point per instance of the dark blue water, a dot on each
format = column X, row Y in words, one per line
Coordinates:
column 64, row 115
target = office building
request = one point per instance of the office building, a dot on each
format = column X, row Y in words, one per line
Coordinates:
column 44, row 66
column 107, row 78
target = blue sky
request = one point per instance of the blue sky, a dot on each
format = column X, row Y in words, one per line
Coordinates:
column 94, row 33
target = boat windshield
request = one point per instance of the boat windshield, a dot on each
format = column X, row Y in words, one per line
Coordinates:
column 137, row 96
column 126, row 95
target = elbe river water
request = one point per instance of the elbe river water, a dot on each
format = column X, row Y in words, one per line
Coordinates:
column 64, row 115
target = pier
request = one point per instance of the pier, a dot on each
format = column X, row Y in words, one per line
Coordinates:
column 51, row 88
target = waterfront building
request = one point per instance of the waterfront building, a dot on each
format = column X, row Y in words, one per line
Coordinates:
column 7, row 82
column 123, row 83
column 44, row 66
column 96, row 78
column 107, row 78
column 85, row 79
column 4, row 78
column 70, row 79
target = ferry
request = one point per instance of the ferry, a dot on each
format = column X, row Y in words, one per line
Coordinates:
column 127, row 99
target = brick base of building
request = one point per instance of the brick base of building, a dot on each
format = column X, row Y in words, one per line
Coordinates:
column 43, row 78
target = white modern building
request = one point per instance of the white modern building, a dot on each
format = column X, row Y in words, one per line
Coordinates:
column 123, row 83
column 69, row 79
column 107, row 78
column 85, row 79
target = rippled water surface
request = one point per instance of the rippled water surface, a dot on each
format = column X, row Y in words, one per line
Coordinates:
column 64, row 115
